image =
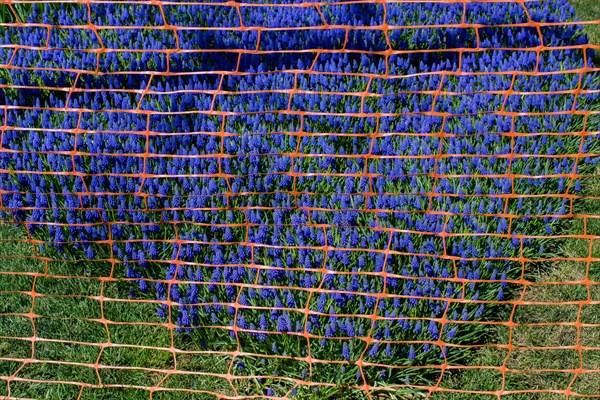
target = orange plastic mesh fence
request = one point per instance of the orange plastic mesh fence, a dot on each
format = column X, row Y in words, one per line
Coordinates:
column 345, row 199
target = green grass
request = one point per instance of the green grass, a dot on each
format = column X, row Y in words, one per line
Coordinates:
column 541, row 323
column 68, row 307
column 589, row 10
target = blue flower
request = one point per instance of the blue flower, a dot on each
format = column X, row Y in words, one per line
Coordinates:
column 412, row 353
column 346, row 351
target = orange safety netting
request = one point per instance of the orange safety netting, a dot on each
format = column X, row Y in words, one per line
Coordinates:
column 296, row 200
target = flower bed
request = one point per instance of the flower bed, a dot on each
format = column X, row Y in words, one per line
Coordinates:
column 327, row 199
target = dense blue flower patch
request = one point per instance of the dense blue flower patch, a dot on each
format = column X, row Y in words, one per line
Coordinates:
column 298, row 190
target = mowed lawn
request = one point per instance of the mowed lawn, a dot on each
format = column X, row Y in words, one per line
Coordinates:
column 589, row 11
column 554, row 334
